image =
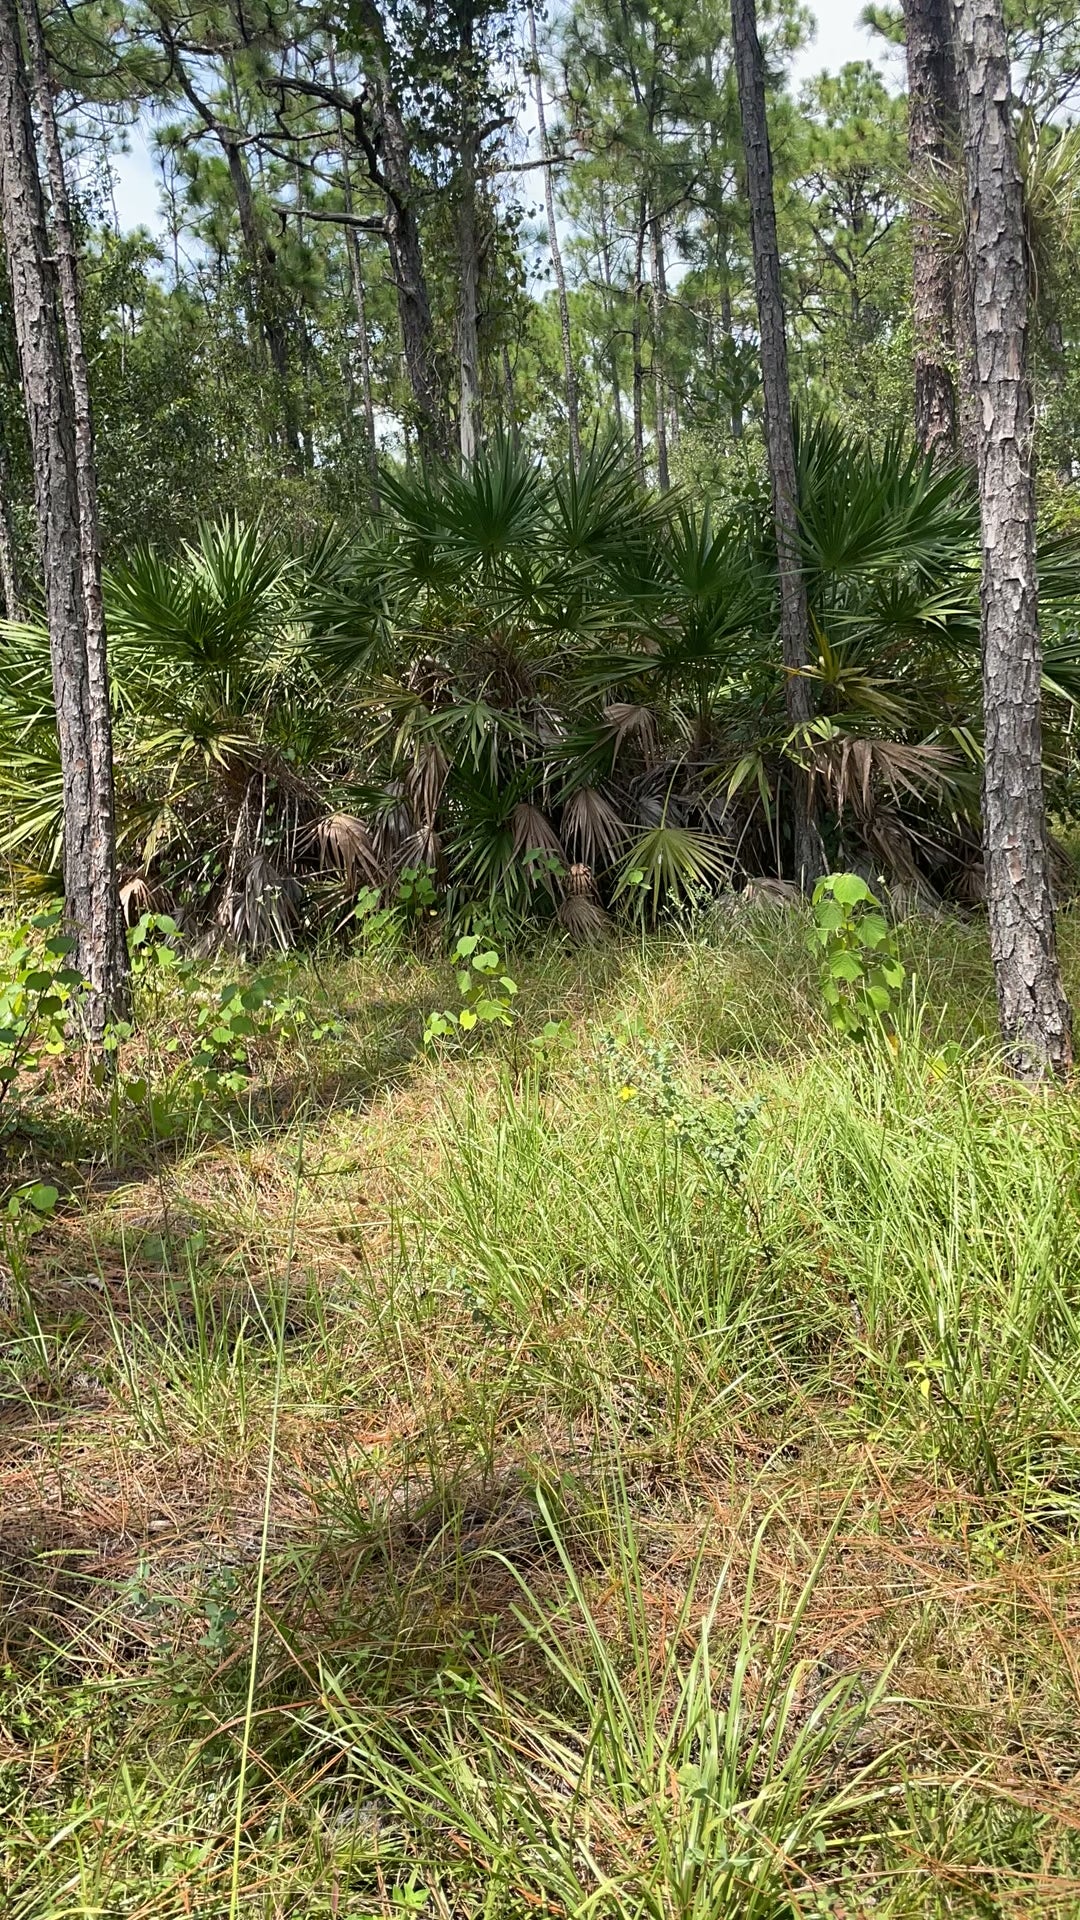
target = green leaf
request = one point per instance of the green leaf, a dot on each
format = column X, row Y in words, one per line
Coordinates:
column 846, row 966
column 849, row 889
column 873, row 931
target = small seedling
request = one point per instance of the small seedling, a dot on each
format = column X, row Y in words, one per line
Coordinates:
column 487, row 994
column 861, row 972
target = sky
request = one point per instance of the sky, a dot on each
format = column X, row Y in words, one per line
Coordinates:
column 839, row 37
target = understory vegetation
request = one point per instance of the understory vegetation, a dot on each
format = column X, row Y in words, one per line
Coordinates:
column 620, row 1460
column 531, row 694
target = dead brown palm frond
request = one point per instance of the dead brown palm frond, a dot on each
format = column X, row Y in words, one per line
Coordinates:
column 532, row 831
column 626, row 720
column 592, row 826
column 266, row 908
column 855, row 772
column 345, row 844
column 425, row 781
column 424, row 848
column 392, row 827
column 139, row 894
column 580, row 913
column 893, row 847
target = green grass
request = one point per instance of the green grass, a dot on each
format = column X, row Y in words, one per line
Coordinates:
column 447, row 1487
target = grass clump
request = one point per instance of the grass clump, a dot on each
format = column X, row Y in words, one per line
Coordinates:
column 633, row 1477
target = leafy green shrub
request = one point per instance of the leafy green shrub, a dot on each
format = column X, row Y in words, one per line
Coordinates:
column 36, row 989
column 487, row 994
column 861, row 971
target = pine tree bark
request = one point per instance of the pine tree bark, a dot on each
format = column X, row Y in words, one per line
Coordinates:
column 569, row 370
column 50, row 417
column 1034, row 1014
column 933, row 137
column 779, row 430
column 109, row 936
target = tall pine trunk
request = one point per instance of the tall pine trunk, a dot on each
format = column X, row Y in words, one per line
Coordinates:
column 569, row 371
column 89, row 853
column 1035, row 1021
column 779, row 431
column 109, row 937
column 933, row 133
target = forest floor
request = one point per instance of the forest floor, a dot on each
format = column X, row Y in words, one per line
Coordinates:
column 570, row 1479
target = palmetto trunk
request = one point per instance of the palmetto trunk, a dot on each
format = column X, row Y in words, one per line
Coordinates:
column 1034, row 1014
column 89, row 853
column 933, row 134
column 569, row 371
column 779, row 432
column 109, row 938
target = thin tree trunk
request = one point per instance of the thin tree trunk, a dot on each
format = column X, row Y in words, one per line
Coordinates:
column 10, row 590
column 1035, row 1021
column 468, row 289
column 657, row 289
column 394, row 170
column 356, row 278
column 779, row 432
column 609, row 285
column 635, row 338
column 727, row 322
column 554, row 248
column 109, row 936
column 933, row 134
column 50, row 417
column 266, row 294
column 363, row 344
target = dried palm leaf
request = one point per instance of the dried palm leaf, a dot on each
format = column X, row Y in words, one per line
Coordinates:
column 267, row 908
column 853, row 771
column 426, row 779
column 769, row 891
column 582, row 916
column 592, row 826
column 139, row 894
column 628, row 721
column 532, row 831
column 345, row 843
column 392, row 827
